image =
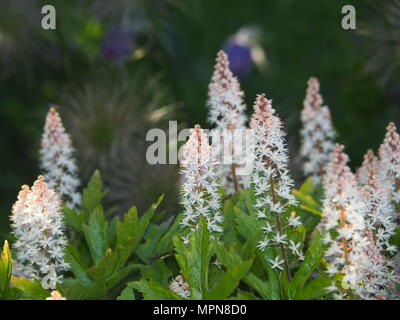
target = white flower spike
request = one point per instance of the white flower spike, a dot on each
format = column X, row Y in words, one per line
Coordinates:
column 317, row 133
column 57, row 160
column 199, row 195
column 230, row 137
column 343, row 223
column 389, row 163
column 271, row 182
column 37, row 223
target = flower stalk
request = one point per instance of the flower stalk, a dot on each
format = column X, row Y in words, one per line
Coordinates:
column 272, row 185
column 200, row 195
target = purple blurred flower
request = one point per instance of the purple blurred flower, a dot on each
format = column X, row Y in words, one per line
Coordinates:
column 118, row 45
column 239, row 56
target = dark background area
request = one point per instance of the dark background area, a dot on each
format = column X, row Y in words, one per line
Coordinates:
column 118, row 68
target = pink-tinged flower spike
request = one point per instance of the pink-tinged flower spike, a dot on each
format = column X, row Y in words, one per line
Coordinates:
column 57, row 160
column 200, row 195
column 38, row 226
column 380, row 213
column 377, row 271
column 389, row 157
column 343, row 222
column 370, row 163
column 317, row 133
column 272, row 184
column 180, row 287
column 227, row 113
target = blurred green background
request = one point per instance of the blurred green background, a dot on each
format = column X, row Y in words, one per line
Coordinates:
column 118, row 68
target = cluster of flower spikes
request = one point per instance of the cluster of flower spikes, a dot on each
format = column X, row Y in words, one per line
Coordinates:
column 230, row 136
column 37, row 223
column 377, row 269
column 389, row 163
column 317, row 133
column 57, row 160
column 343, row 225
column 180, row 287
column 199, row 193
column 272, row 185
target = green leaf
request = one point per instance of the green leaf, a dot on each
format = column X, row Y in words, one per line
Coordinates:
column 273, row 279
column 315, row 289
column 244, row 295
column 230, row 235
column 250, row 200
column 31, row 290
column 246, row 224
column 229, row 259
column 73, row 219
column 77, row 266
column 194, row 260
column 152, row 246
column 153, row 291
column 78, row 291
column 112, row 231
column 248, row 250
column 215, row 274
column 106, row 271
column 120, row 274
column 307, row 187
column 127, row 235
column 165, row 244
column 395, row 239
column 229, row 281
column 145, row 219
column 158, row 272
column 96, row 234
column 92, row 194
column 317, row 213
column 309, row 220
column 126, row 294
column 308, row 203
column 130, row 232
column 104, row 268
column 246, row 202
column 313, row 257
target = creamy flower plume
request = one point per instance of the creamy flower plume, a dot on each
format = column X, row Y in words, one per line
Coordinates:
column 370, row 163
column 380, row 213
column 272, row 184
column 377, row 271
column 230, row 137
column 343, row 222
column 57, row 160
column 38, row 226
column 389, row 165
column 317, row 133
column 200, row 195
